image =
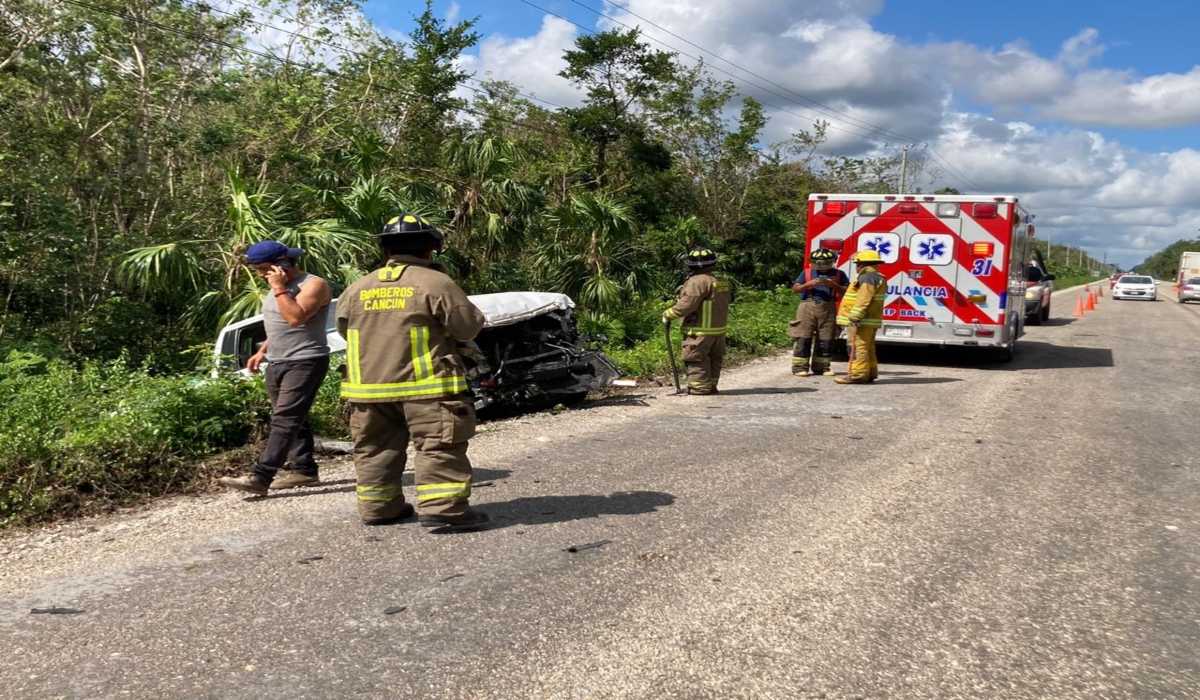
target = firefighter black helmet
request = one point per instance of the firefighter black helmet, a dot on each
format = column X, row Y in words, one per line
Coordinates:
column 823, row 258
column 701, row 257
column 413, row 230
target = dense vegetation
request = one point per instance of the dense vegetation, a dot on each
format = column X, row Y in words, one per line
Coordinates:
column 145, row 143
column 1164, row 264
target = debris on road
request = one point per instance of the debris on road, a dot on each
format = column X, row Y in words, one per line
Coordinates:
column 307, row 560
column 452, row 576
column 55, row 611
column 395, row 609
column 590, row 545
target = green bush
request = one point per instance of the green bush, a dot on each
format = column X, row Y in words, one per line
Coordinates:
column 757, row 323
column 107, row 433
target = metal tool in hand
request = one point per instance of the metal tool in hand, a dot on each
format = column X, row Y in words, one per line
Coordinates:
column 671, row 355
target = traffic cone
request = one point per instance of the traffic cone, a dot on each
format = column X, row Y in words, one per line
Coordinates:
column 1100, row 287
column 1078, row 308
column 1090, row 303
column 1087, row 287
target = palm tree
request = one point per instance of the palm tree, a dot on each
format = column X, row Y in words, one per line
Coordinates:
column 208, row 274
column 490, row 205
column 593, row 253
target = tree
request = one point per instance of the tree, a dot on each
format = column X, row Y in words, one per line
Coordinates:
column 619, row 73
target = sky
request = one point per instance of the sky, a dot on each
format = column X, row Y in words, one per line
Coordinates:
column 1090, row 113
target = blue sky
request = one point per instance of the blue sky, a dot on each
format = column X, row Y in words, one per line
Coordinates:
column 1091, row 112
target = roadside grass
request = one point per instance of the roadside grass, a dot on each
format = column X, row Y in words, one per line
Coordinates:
column 78, row 440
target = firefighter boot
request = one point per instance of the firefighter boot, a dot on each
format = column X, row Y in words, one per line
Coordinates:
column 249, row 484
column 463, row 522
column 406, row 512
column 295, row 480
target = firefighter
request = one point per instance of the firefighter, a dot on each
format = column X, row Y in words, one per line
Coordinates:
column 819, row 287
column 405, row 381
column 861, row 312
column 703, row 312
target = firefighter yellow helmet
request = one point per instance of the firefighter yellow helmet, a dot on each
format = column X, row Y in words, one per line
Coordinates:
column 823, row 258
column 868, row 257
column 413, row 231
column 701, row 257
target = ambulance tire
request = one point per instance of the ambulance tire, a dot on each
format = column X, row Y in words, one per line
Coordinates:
column 1007, row 352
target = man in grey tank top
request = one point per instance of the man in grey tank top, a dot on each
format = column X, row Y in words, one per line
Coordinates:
column 295, row 316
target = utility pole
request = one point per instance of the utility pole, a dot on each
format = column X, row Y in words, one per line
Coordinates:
column 903, row 167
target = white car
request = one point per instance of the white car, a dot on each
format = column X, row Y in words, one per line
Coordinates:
column 1135, row 287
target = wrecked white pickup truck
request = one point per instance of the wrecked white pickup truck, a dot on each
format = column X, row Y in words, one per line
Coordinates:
column 529, row 354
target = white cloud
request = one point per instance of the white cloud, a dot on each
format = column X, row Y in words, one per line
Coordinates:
column 1007, row 118
column 532, row 63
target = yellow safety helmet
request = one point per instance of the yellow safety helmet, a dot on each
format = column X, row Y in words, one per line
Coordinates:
column 867, row 257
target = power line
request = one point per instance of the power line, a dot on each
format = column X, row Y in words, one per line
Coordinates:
column 716, row 68
column 284, row 61
column 816, row 106
column 342, row 50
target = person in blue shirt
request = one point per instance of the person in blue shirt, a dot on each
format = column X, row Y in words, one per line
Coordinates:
column 819, row 286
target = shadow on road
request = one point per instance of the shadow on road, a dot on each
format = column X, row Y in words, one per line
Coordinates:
column 541, row 510
column 1037, row 355
column 918, row 380
column 481, row 478
column 1059, row 321
column 765, row 390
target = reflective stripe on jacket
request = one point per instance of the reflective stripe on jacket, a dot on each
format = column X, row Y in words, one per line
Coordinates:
column 401, row 323
column 864, row 299
column 703, row 305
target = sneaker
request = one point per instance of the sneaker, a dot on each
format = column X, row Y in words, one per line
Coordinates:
column 469, row 520
column 406, row 512
column 847, row 380
column 801, row 373
column 295, row 480
column 249, row 484
column 829, row 373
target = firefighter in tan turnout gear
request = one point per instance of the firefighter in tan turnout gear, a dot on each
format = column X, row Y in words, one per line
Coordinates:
column 814, row 327
column 703, row 312
column 405, row 381
column 861, row 313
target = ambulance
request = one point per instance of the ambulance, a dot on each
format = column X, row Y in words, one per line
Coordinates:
column 955, row 264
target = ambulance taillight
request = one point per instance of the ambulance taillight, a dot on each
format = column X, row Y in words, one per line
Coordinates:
column 908, row 208
column 981, row 250
column 835, row 208
column 985, row 211
column 832, row 243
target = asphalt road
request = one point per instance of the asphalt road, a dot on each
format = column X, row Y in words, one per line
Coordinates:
column 958, row 530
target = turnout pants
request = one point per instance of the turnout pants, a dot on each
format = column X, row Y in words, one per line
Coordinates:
column 863, row 364
column 815, row 320
column 293, row 387
column 439, row 430
column 703, row 355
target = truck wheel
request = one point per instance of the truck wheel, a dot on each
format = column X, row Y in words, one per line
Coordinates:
column 1034, row 320
column 1046, row 312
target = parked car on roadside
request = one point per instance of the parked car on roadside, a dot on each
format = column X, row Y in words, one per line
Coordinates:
column 1039, row 285
column 529, row 354
column 1189, row 290
column 1135, row 287
column 1112, row 279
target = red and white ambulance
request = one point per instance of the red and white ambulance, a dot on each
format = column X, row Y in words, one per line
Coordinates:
column 955, row 264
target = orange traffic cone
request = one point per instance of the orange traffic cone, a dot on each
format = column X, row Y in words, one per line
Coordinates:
column 1100, row 287
column 1090, row 302
column 1078, row 308
column 1087, row 287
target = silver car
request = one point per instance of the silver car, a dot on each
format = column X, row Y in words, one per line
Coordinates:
column 1135, row 287
column 1190, row 290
